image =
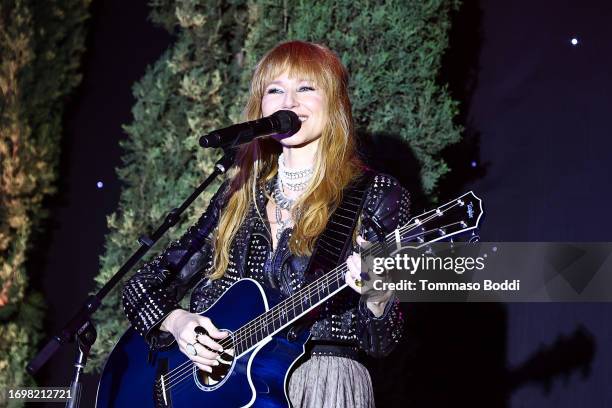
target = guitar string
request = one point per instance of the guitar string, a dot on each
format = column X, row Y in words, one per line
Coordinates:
column 388, row 239
column 238, row 339
column 339, row 272
column 174, row 381
column 261, row 322
column 315, row 287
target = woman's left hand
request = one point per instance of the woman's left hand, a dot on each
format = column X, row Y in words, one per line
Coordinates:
column 362, row 283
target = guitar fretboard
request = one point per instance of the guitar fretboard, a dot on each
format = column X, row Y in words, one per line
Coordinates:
column 289, row 310
column 455, row 217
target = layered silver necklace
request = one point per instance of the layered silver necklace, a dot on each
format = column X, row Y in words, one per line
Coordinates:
column 291, row 179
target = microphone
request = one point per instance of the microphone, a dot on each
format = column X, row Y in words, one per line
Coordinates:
column 282, row 121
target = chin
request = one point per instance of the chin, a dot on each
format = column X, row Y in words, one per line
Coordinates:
column 296, row 140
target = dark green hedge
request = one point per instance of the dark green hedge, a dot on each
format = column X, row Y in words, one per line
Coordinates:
column 41, row 44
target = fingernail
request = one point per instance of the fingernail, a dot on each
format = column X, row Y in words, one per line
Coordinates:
column 216, row 363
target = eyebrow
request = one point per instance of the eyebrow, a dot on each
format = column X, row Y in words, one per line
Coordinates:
column 299, row 80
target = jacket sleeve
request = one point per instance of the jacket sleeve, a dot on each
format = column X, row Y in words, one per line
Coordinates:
column 387, row 206
column 156, row 289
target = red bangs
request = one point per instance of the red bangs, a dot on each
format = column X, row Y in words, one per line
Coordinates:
column 302, row 60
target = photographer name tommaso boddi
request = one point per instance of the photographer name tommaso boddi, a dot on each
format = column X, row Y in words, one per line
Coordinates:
column 426, row 285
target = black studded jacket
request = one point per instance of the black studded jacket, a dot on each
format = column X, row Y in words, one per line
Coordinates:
column 155, row 289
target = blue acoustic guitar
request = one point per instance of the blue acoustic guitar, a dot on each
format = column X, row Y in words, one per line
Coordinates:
column 263, row 334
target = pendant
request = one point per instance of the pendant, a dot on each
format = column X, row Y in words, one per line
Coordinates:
column 281, row 225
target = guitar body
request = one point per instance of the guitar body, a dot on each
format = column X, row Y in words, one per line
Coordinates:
column 256, row 378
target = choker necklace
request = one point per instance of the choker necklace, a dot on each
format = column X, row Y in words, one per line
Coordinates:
column 293, row 179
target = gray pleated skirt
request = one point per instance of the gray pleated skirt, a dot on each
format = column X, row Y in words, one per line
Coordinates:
column 331, row 382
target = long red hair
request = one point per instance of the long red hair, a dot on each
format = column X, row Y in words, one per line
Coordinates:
column 256, row 162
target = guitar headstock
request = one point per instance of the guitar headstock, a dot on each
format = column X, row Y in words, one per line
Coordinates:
column 456, row 217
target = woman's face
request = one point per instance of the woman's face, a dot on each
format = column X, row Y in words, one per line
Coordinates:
column 303, row 98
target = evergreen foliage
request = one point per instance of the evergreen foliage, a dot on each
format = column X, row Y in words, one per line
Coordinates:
column 392, row 50
column 188, row 91
column 40, row 46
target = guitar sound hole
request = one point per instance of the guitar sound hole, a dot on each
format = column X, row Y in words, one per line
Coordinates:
column 218, row 372
column 213, row 380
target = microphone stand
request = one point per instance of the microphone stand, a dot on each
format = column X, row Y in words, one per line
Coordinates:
column 80, row 328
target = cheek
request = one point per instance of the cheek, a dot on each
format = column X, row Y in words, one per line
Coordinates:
column 319, row 109
column 318, row 106
column 264, row 107
column 267, row 108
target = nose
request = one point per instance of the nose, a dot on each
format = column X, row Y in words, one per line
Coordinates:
column 290, row 100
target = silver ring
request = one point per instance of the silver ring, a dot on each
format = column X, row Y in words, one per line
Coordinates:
column 191, row 349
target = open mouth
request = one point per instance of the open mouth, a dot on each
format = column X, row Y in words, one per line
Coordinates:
column 303, row 118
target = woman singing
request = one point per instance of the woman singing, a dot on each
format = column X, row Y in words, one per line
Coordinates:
column 263, row 224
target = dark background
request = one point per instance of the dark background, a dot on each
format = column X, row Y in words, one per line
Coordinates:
column 537, row 150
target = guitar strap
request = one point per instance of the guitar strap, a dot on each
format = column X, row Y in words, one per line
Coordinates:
column 333, row 244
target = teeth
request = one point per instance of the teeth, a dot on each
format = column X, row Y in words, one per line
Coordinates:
column 303, row 118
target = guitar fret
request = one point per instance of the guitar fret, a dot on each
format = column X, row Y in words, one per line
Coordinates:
column 246, row 342
column 261, row 327
column 318, row 294
column 289, row 314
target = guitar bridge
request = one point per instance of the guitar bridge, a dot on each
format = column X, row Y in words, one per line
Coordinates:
column 161, row 394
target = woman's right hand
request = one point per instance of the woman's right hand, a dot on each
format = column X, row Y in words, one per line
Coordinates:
column 181, row 324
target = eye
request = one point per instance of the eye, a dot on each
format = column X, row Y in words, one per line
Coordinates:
column 274, row 91
column 306, row 88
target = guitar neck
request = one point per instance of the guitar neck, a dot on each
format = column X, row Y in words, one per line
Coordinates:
column 297, row 305
column 455, row 217
column 290, row 309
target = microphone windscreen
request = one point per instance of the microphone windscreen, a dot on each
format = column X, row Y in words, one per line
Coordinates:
column 289, row 121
